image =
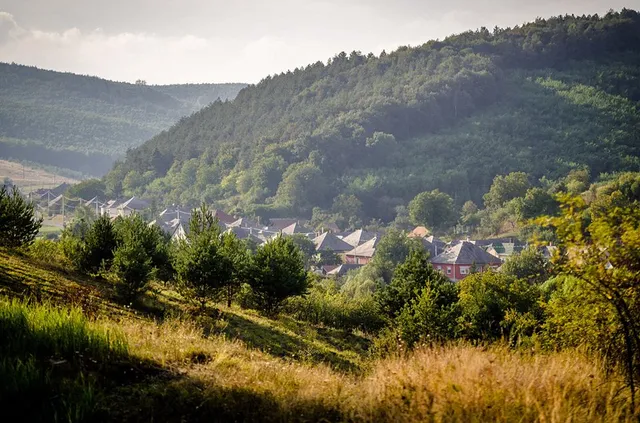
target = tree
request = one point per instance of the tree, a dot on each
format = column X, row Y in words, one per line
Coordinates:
column 18, row 222
column 132, row 268
column 410, row 277
column 306, row 247
column 91, row 249
column 494, row 305
column 469, row 214
column 600, row 247
column 237, row 253
column 505, row 188
column 302, row 186
column 536, row 202
column 433, row 209
column 277, row 273
column 529, row 265
column 202, row 269
column 394, row 247
column 88, row 189
column 349, row 210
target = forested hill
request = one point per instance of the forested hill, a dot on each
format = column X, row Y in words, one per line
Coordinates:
column 84, row 123
column 543, row 98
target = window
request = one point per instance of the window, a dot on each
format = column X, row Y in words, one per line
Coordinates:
column 448, row 270
column 464, row 270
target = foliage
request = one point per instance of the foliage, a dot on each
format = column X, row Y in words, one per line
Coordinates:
column 238, row 255
column 433, row 209
column 540, row 98
column 84, row 123
column 90, row 247
column 277, row 273
column 88, row 189
column 325, row 304
column 601, row 247
column 202, row 269
column 393, row 249
column 505, row 188
column 132, row 269
column 529, row 265
column 18, row 222
column 493, row 306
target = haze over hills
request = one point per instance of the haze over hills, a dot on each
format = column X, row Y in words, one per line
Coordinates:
column 544, row 98
column 85, row 123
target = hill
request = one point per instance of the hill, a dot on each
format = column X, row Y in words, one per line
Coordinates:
column 85, row 123
column 156, row 361
column 545, row 98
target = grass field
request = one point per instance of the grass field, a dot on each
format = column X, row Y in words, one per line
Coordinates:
column 168, row 364
column 30, row 179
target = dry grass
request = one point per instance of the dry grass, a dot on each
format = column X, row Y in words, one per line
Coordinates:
column 244, row 367
column 29, row 178
column 456, row 383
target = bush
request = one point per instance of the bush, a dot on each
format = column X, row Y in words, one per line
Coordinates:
column 47, row 251
column 18, row 223
column 90, row 247
column 277, row 273
column 326, row 305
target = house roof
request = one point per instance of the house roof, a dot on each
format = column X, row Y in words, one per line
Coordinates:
column 246, row 233
column 329, row 242
column 224, row 217
column 343, row 269
column 419, row 232
column 279, row 223
column 134, row 204
column 359, row 237
column 465, row 252
column 368, row 249
column 331, row 227
column 296, row 228
column 505, row 248
column 485, row 242
column 433, row 240
column 243, row 222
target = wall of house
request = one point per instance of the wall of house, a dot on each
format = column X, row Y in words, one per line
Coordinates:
column 357, row 259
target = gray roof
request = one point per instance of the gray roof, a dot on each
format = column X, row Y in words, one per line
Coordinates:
column 465, row 252
column 368, row 249
column 296, row 228
column 329, row 242
column 134, row 204
column 359, row 237
column 343, row 269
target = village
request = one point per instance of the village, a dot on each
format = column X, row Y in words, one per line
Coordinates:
column 353, row 249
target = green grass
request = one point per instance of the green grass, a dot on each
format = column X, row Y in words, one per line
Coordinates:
column 47, row 359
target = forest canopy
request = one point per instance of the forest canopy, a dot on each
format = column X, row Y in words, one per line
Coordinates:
column 544, row 98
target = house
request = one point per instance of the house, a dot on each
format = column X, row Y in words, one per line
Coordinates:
column 223, row 217
column 277, row 224
column 110, row 208
column 331, row 227
column 243, row 222
column 296, row 228
column 458, row 261
column 342, row 269
column 363, row 253
column 419, row 232
column 548, row 251
column 329, row 242
column 502, row 250
column 131, row 206
column 359, row 237
column 248, row 234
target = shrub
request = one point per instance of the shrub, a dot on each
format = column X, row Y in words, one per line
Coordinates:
column 277, row 273
column 90, row 247
column 18, row 223
column 326, row 305
column 47, row 251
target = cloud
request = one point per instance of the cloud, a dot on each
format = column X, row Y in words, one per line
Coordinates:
column 9, row 29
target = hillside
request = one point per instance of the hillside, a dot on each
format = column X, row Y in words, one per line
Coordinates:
column 545, row 98
column 85, row 123
column 156, row 361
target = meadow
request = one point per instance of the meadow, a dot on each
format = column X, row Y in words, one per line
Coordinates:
column 157, row 360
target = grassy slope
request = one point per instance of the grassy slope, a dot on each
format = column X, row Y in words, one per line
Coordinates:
column 243, row 367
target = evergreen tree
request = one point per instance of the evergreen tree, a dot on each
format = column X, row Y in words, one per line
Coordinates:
column 98, row 246
column 18, row 223
column 277, row 273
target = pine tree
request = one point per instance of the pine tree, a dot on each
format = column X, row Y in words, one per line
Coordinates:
column 277, row 273
column 18, row 223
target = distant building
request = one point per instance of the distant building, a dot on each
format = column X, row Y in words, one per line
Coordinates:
column 419, row 232
column 329, row 242
column 458, row 261
column 359, row 237
column 296, row 228
column 341, row 269
column 363, row 253
column 502, row 250
column 131, row 206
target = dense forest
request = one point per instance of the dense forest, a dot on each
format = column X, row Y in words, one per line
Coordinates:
column 544, row 98
column 85, row 123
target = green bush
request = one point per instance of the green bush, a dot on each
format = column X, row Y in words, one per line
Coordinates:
column 326, row 305
column 131, row 269
column 47, row 251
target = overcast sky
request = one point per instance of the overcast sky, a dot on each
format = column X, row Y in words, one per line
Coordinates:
column 177, row 41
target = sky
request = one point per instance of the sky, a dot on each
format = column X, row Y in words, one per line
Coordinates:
column 180, row 41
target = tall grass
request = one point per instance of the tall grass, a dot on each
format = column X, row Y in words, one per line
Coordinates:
column 46, row 359
column 226, row 380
